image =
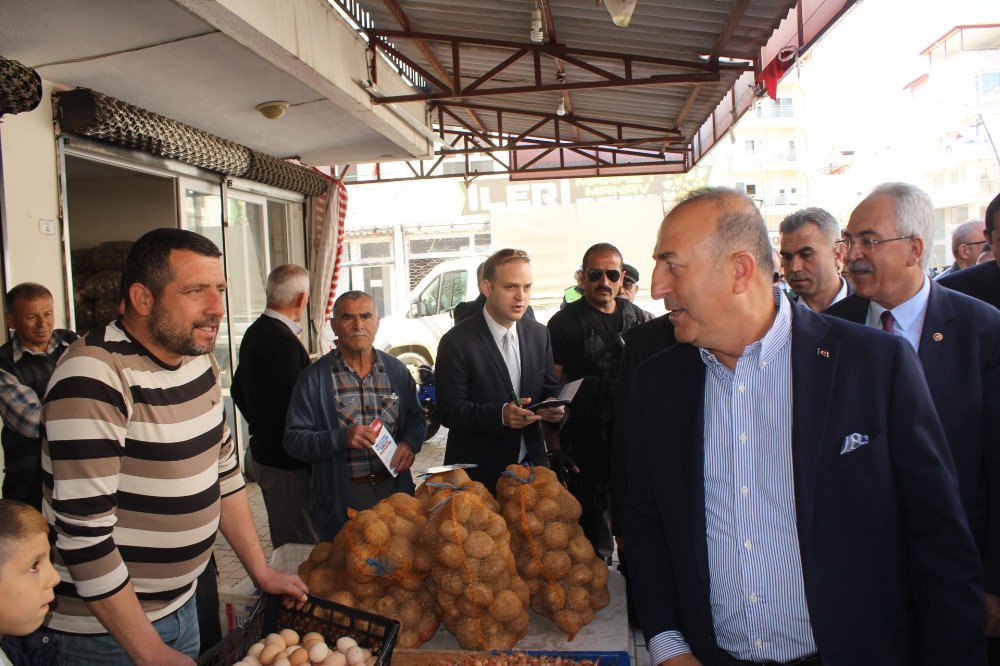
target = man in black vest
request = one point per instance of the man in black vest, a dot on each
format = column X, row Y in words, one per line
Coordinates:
column 587, row 342
column 26, row 364
column 271, row 359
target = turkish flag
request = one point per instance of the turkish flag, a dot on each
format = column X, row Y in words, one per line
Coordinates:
column 771, row 74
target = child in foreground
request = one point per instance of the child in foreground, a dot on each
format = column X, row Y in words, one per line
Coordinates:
column 27, row 580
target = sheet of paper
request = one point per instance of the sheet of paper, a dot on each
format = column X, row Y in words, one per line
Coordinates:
column 384, row 446
column 565, row 396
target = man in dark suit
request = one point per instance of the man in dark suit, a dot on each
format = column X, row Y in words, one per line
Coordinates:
column 791, row 496
column 983, row 280
column 467, row 309
column 271, row 359
column 489, row 368
column 957, row 339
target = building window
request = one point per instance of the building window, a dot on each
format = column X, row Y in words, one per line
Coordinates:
column 750, row 146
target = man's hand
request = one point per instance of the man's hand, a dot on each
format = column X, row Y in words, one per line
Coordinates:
column 992, row 615
column 517, row 417
column 277, row 582
column 552, row 414
column 360, row 437
column 686, row 659
column 404, row 457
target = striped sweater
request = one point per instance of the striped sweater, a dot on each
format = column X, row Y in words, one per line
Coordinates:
column 136, row 457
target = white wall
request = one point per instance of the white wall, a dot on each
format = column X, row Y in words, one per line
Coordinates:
column 30, row 190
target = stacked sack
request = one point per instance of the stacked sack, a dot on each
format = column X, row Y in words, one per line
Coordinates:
column 377, row 563
column 97, row 278
column 482, row 597
column 567, row 581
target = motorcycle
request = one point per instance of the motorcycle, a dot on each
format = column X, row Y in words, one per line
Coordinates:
column 427, row 395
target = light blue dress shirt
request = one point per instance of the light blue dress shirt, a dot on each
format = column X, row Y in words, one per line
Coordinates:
column 755, row 566
column 908, row 315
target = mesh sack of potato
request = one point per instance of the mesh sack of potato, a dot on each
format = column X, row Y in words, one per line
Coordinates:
column 378, row 563
column 482, row 597
column 110, row 255
column 104, row 285
column 567, row 581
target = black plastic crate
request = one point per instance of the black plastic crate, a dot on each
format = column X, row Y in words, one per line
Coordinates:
column 332, row 620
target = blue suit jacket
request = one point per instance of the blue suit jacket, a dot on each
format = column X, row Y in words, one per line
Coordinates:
column 891, row 573
column 982, row 282
column 472, row 386
column 960, row 355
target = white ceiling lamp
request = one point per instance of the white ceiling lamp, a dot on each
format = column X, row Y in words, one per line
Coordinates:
column 561, row 109
column 621, row 11
column 537, row 36
column 272, row 110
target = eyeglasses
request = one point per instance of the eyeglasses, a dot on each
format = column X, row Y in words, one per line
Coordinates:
column 982, row 242
column 594, row 274
column 870, row 244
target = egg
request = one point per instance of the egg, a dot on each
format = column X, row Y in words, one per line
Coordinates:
column 335, row 658
column 355, row 655
column 290, row 636
column 251, row 661
column 318, row 652
column 240, row 663
column 368, row 653
column 255, row 649
column 270, row 653
column 346, row 643
column 311, row 638
column 276, row 640
column 298, row 657
column 370, row 661
column 281, row 661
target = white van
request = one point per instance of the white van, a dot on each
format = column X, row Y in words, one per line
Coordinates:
column 413, row 336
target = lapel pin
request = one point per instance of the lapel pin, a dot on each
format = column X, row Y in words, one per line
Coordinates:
column 938, row 337
column 822, row 352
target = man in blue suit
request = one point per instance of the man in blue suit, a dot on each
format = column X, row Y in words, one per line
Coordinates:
column 957, row 338
column 791, row 496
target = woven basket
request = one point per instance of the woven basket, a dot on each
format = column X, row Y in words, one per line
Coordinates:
column 20, row 87
column 270, row 170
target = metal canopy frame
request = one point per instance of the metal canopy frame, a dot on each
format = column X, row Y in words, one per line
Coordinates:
column 489, row 96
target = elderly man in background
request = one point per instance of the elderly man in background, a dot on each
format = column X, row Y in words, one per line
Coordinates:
column 27, row 361
column 271, row 358
column 966, row 245
column 811, row 254
column 334, row 404
column 983, row 280
column 957, row 339
column 791, row 498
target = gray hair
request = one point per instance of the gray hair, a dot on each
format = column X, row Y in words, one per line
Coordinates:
column 352, row 295
column 285, row 283
column 914, row 213
column 972, row 229
column 826, row 222
column 740, row 225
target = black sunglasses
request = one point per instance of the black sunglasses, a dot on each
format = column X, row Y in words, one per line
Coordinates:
column 594, row 274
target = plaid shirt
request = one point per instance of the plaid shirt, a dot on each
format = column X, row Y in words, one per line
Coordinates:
column 358, row 402
column 20, row 406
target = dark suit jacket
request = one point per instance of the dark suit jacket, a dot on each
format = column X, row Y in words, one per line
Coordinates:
column 891, row 573
column 466, row 309
column 641, row 342
column 982, row 282
column 472, row 386
column 271, row 359
column 960, row 355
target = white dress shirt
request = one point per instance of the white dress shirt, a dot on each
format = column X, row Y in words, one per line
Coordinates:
column 293, row 326
column 908, row 316
column 841, row 295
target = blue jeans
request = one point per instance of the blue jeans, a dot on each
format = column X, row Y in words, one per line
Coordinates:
column 179, row 630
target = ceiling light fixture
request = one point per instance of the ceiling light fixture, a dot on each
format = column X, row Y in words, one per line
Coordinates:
column 561, row 110
column 621, row 11
column 272, row 110
column 537, row 36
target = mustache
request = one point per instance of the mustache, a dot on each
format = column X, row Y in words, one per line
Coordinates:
column 607, row 289
column 210, row 321
column 798, row 275
column 671, row 305
column 860, row 266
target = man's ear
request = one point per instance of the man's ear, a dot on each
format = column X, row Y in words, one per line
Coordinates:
column 8, row 319
column 301, row 300
column 744, row 268
column 141, row 299
column 918, row 251
column 485, row 288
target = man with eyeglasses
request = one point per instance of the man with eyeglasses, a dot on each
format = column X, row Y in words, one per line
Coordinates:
column 587, row 342
column 957, row 339
column 982, row 281
column 966, row 243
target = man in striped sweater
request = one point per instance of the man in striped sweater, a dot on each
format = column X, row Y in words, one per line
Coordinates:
column 140, row 469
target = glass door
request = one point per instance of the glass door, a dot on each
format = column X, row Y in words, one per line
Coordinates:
column 248, row 262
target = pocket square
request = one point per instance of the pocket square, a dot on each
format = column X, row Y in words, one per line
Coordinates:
column 853, row 441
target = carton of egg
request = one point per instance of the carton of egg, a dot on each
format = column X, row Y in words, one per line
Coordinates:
column 286, row 648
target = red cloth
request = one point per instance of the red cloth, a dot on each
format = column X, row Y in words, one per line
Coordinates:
column 771, row 74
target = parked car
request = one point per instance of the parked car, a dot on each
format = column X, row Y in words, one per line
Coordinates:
column 413, row 336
